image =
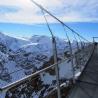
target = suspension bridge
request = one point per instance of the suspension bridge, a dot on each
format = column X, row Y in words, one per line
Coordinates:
column 83, row 59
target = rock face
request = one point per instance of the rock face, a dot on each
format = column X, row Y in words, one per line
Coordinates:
column 21, row 57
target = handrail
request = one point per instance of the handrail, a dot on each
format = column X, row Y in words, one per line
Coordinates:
column 29, row 76
column 32, row 75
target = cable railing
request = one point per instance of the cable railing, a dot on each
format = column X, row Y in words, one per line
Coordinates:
column 65, row 79
column 63, row 72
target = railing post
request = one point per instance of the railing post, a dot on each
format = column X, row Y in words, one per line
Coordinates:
column 77, row 46
column 93, row 40
column 55, row 57
column 56, row 66
column 72, row 62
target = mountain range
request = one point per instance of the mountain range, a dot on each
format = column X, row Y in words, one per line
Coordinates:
column 20, row 57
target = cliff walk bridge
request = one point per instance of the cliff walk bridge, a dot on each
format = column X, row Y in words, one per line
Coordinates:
column 87, row 84
column 80, row 79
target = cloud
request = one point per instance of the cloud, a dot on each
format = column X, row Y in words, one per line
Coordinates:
column 8, row 9
column 24, row 11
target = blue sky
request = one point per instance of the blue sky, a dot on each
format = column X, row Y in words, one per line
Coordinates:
column 86, row 29
column 22, row 18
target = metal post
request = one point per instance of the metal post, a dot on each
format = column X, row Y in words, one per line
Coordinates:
column 93, row 40
column 72, row 62
column 55, row 57
column 56, row 66
column 76, row 41
column 71, row 54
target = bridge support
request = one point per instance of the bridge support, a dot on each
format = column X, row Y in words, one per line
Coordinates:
column 56, row 66
column 72, row 64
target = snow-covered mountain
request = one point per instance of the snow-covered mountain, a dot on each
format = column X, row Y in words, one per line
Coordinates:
column 20, row 57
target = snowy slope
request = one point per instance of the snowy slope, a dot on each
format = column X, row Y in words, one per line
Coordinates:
column 29, row 55
column 11, row 42
column 19, row 52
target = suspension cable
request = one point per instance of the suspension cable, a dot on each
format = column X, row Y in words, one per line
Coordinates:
column 58, row 20
column 66, row 34
column 80, row 41
column 47, row 23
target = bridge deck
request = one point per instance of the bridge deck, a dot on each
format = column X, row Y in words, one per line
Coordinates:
column 87, row 84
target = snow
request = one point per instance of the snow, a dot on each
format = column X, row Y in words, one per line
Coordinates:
column 2, row 95
column 36, row 46
column 11, row 66
column 29, row 45
column 77, row 74
column 65, row 70
column 3, row 56
column 47, row 79
column 18, row 75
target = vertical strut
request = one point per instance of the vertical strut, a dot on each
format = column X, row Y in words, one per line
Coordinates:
column 71, row 54
column 55, row 57
column 76, row 41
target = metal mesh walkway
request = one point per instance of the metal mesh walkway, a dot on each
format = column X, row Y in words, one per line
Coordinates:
column 87, row 84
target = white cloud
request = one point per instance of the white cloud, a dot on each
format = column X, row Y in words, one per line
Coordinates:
column 66, row 10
